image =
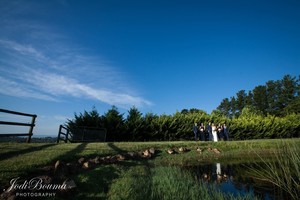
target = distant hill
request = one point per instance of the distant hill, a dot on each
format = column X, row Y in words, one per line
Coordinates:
column 34, row 139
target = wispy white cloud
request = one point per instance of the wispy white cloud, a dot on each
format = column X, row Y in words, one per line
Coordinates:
column 59, row 85
column 12, row 88
column 37, row 61
column 43, row 81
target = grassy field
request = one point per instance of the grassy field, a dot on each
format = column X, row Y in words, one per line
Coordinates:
column 133, row 178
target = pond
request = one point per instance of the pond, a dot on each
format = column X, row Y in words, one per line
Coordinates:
column 236, row 179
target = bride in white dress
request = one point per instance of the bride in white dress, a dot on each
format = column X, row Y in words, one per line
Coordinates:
column 214, row 132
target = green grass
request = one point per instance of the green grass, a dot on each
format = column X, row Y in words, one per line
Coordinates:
column 165, row 183
column 283, row 171
column 95, row 184
column 107, row 181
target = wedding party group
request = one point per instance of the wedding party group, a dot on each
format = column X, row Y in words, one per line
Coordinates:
column 211, row 132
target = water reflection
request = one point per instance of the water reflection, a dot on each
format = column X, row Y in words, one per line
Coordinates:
column 237, row 180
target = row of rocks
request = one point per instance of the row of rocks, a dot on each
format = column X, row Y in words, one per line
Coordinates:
column 198, row 149
column 214, row 150
column 62, row 169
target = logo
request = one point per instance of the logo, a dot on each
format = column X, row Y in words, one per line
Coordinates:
column 35, row 187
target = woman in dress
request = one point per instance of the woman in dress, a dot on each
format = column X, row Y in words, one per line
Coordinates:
column 214, row 132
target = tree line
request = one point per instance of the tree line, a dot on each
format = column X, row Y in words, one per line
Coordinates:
column 277, row 98
column 138, row 127
column 268, row 111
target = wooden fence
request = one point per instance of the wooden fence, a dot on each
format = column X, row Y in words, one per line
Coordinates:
column 9, row 123
column 81, row 134
column 64, row 134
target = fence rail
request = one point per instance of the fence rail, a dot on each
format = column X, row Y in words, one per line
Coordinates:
column 81, row 134
column 65, row 132
column 9, row 123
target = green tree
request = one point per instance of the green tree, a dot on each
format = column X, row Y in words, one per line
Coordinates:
column 134, row 124
column 289, row 90
column 86, row 119
column 195, row 110
column 185, row 111
column 217, row 117
column 250, row 112
column 240, row 101
column 273, row 92
column 293, row 107
column 233, row 109
column 150, row 126
column 249, row 99
column 260, row 98
column 225, row 107
column 114, row 124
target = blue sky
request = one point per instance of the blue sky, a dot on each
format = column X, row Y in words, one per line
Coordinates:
column 59, row 57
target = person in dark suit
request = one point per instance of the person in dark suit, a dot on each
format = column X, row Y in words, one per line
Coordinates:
column 209, row 131
column 202, row 132
column 220, row 132
column 195, row 130
column 225, row 132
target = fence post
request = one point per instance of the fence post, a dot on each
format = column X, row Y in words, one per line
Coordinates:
column 83, row 133
column 67, row 136
column 58, row 137
column 31, row 128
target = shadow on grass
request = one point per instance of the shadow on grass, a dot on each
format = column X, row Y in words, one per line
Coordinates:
column 65, row 157
column 72, row 154
column 115, row 148
column 95, row 184
column 11, row 154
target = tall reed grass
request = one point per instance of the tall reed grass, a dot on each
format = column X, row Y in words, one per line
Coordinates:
column 283, row 171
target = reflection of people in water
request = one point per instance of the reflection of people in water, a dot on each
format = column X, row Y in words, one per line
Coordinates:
column 218, row 166
column 232, row 178
column 214, row 173
column 218, row 172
